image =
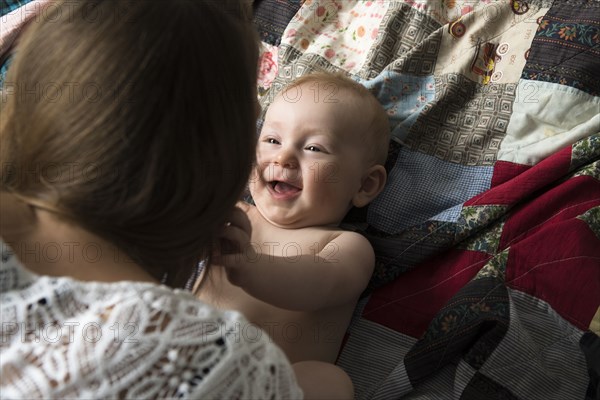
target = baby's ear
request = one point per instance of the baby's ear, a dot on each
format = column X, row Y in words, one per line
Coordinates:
column 372, row 184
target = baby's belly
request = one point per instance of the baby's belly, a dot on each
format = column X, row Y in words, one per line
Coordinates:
column 301, row 335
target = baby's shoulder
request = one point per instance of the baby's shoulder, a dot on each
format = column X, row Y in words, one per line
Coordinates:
column 339, row 244
column 321, row 237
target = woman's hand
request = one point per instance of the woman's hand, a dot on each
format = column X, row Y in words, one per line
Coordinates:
column 235, row 248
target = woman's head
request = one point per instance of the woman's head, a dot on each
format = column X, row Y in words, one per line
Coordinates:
column 135, row 120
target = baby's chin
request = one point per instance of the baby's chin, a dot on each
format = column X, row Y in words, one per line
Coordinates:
column 286, row 222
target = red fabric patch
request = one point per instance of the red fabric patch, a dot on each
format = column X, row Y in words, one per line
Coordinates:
column 571, row 285
column 408, row 304
column 527, row 182
column 505, row 171
column 553, row 255
column 566, row 201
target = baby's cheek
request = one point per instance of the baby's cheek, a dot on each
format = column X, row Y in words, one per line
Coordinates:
column 264, row 150
column 253, row 180
column 321, row 173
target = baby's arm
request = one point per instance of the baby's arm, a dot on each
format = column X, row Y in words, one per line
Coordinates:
column 335, row 276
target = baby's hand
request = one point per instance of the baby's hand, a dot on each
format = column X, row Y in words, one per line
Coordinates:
column 234, row 243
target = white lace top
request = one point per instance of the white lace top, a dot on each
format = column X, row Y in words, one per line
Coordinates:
column 62, row 338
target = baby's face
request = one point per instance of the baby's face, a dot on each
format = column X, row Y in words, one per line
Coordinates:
column 310, row 158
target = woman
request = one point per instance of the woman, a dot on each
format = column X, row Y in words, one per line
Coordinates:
column 118, row 119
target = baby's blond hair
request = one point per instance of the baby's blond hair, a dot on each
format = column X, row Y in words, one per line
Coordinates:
column 377, row 136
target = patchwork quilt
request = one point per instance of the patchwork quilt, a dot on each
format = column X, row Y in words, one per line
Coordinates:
column 487, row 284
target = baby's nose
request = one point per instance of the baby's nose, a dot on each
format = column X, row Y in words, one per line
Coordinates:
column 286, row 158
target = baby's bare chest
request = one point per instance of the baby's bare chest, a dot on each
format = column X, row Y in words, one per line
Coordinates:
column 290, row 243
column 271, row 241
column 268, row 240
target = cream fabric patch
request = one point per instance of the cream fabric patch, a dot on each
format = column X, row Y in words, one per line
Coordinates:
column 491, row 41
column 546, row 118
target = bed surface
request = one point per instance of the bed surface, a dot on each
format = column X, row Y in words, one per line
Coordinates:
column 487, row 284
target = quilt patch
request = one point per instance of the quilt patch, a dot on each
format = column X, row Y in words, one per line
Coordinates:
column 566, row 46
column 408, row 199
column 403, row 97
column 408, row 43
column 466, row 122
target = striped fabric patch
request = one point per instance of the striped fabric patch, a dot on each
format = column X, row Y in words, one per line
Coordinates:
column 371, row 357
column 540, row 357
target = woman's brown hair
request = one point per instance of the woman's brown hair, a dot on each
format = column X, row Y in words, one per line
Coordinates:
column 136, row 121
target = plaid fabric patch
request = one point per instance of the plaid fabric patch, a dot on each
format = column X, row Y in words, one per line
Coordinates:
column 3, row 71
column 7, row 6
column 410, row 199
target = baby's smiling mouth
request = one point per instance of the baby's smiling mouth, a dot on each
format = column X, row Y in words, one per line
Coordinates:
column 284, row 188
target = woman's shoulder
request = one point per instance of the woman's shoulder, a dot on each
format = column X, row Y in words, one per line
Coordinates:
column 12, row 274
column 129, row 339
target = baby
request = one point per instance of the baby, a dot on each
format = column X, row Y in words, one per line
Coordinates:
column 285, row 263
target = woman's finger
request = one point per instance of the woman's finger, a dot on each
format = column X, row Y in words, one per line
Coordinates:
column 233, row 239
column 239, row 219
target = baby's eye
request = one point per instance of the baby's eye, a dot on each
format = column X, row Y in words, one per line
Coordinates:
column 272, row 141
column 313, row 148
